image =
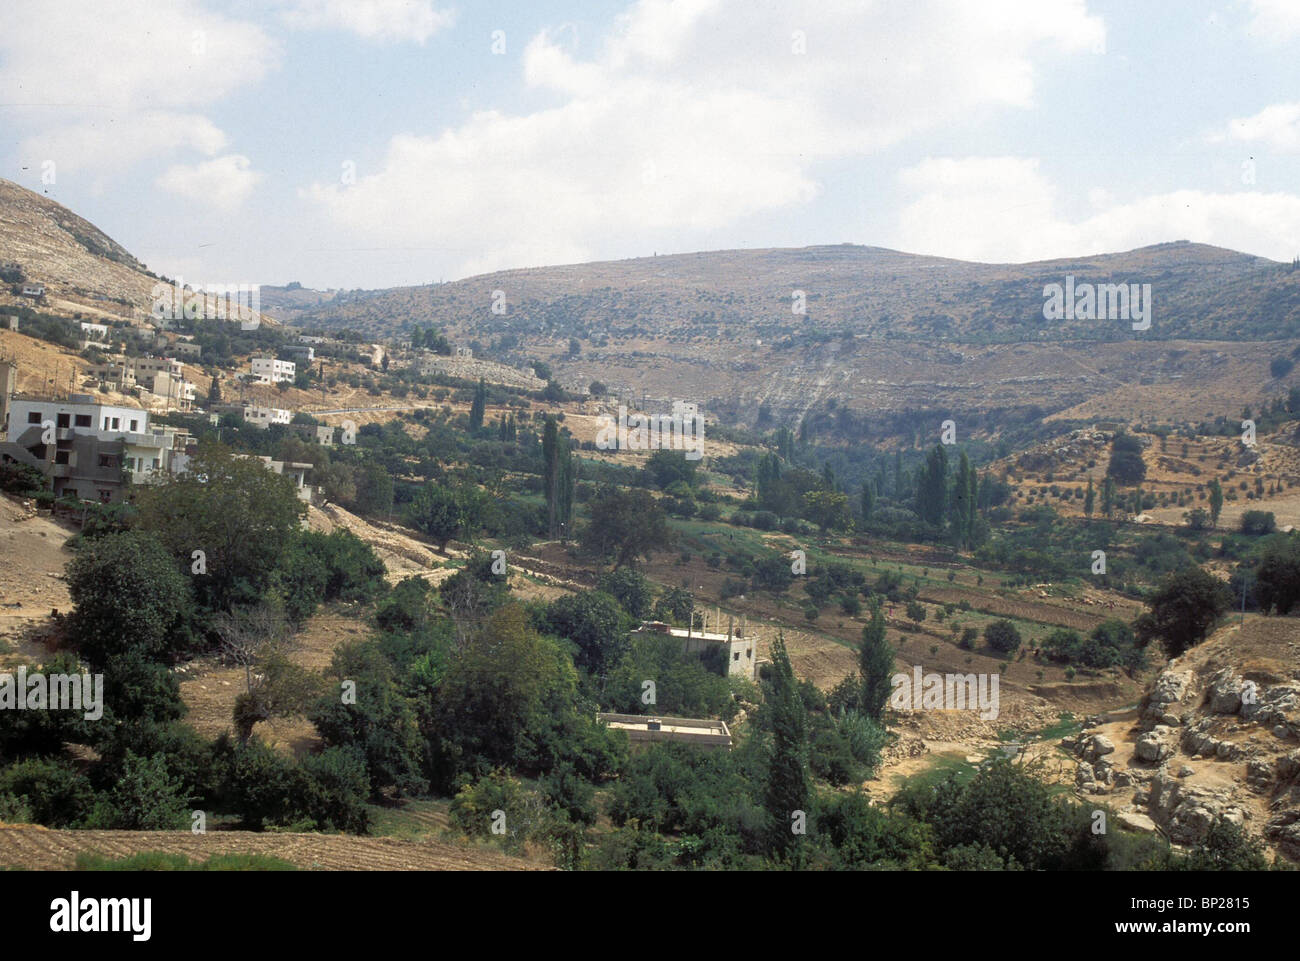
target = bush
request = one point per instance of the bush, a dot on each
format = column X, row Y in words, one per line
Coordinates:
column 1003, row 637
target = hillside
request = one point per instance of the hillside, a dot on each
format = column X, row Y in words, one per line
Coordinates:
column 883, row 330
column 82, row 268
column 1200, row 292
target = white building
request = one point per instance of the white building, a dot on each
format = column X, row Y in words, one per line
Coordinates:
column 264, row 417
column 86, row 446
column 739, row 648
column 268, row 370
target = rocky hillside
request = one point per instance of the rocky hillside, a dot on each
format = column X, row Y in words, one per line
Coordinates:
column 1216, row 736
column 882, row 331
column 80, row 266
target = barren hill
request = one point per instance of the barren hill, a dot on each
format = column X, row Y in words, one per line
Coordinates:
column 881, row 330
column 79, row 264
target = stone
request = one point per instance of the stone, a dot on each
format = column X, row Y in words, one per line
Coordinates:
column 1225, row 692
column 1098, row 746
column 1226, row 751
column 1155, row 745
column 1135, row 821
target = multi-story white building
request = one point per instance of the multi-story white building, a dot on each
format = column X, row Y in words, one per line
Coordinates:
column 88, row 449
column 264, row 417
column 268, row 370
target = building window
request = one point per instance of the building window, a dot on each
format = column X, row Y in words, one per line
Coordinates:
column 107, row 460
column 736, row 656
column 83, row 420
column 63, row 422
column 61, row 457
column 135, row 426
column 34, row 417
column 155, row 463
column 105, row 496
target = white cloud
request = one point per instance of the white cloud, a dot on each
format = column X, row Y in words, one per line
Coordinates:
column 697, row 113
column 110, row 85
column 383, row 20
column 224, row 182
column 1002, row 209
column 1274, row 20
column 128, row 54
column 116, row 142
column 1276, row 126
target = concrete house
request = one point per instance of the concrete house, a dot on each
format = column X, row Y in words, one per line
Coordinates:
column 268, row 370
column 87, row 449
column 738, row 647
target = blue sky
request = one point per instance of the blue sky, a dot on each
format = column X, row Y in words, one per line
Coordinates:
column 370, row 143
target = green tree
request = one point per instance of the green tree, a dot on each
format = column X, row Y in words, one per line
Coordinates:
column 630, row 588
column 876, row 665
column 1183, row 610
column 932, row 487
column 868, row 502
column 234, row 510
column 130, row 598
column 145, row 797
column 626, row 525
column 594, row 623
column 1089, row 499
column 1126, row 465
column 1216, row 501
column 441, row 512
column 675, row 606
column 1277, row 577
column 478, row 407
column 789, row 789
column 559, row 477
column 1003, row 637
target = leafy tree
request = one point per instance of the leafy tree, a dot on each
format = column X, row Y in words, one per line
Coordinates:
column 626, row 525
column 234, row 510
column 54, row 792
column 668, row 467
column 510, row 698
column 868, row 502
column 788, row 783
column 1216, row 501
column 478, row 407
column 630, row 588
column 441, row 512
column 876, row 665
column 129, row 597
column 675, row 606
column 1089, row 499
column 828, row 509
column 932, row 487
column 1006, row 810
column 377, row 720
column 1277, row 577
column 1183, row 610
column 593, row 622
column 145, row 797
column 1258, row 522
column 1126, row 465
column 337, row 789
column 559, row 476
column 1002, row 636
column 1225, row 847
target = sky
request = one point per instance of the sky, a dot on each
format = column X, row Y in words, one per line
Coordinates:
column 376, row 143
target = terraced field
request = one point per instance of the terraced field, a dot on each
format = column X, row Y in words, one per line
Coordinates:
column 40, row 849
